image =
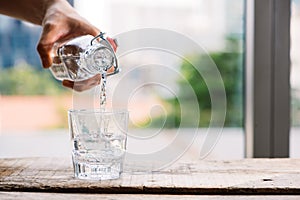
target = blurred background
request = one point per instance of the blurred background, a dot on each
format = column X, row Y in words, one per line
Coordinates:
column 33, row 105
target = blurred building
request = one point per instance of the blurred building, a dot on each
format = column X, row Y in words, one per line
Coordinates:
column 18, row 42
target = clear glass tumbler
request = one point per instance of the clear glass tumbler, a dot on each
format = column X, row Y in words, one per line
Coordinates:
column 99, row 142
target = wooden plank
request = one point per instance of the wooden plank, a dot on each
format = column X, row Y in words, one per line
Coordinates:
column 248, row 176
column 60, row 196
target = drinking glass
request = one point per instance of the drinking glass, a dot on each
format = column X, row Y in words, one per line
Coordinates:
column 99, row 142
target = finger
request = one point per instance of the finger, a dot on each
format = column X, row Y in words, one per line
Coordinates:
column 68, row 84
column 111, row 69
column 87, row 84
column 112, row 43
column 46, row 42
column 44, row 52
column 80, row 86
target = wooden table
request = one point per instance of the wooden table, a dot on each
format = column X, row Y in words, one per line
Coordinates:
column 52, row 178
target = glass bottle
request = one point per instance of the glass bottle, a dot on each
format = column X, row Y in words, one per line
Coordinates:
column 83, row 57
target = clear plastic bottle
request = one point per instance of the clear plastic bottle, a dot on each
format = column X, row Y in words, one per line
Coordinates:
column 83, row 57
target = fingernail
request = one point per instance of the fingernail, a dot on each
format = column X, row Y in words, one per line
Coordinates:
column 45, row 63
column 67, row 83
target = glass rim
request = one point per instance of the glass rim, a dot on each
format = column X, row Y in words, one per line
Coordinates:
column 98, row 111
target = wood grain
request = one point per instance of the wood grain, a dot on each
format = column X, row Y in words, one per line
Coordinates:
column 248, row 176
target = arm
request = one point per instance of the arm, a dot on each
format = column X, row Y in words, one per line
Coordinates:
column 32, row 11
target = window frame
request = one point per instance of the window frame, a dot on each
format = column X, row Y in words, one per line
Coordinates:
column 267, row 78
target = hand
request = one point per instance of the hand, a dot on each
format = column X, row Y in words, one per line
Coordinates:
column 61, row 23
column 80, row 86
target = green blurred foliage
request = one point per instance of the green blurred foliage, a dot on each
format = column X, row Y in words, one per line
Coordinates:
column 230, row 66
column 25, row 80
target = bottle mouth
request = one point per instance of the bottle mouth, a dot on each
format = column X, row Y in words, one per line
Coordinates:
column 102, row 56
